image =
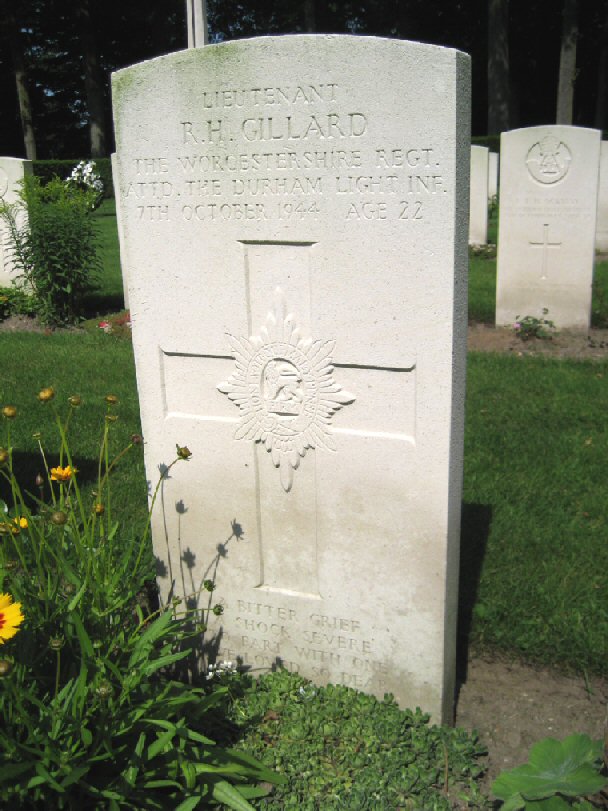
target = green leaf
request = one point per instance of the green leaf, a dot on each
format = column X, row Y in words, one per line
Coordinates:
column 83, row 637
column 188, row 804
column 555, row 767
column 223, row 792
column 76, row 598
column 159, row 744
column 11, row 770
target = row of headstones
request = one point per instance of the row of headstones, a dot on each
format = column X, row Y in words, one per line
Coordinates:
column 553, row 216
column 294, row 232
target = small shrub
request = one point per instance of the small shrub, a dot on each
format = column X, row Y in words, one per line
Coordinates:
column 55, row 248
column 530, row 327
column 15, row 301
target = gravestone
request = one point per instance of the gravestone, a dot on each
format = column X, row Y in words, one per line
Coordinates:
column 493, row 162
column 548, row 199
column 478, row 217
column 601, row 233
column 119, row 222
column 12, row 171
column 295, row 231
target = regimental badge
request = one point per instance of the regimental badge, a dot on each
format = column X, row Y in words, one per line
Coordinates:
column 548, row 160
column 285, row 389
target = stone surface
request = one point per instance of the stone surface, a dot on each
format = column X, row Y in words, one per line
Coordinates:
column 478, row 216
column 548, row 196
column 493, row 164
column 295, row 232
column 12, row 170
column 119, row 222
column 601, row 232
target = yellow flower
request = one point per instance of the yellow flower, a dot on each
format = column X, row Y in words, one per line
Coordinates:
column 21, row 522
column 10, row 617
column 10, row 412
column 46, row 394
column 62, row 474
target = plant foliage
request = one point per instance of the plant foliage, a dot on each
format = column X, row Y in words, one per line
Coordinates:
column 557, row 777
column 91, row 715
column 53, row 245
column 342, row 750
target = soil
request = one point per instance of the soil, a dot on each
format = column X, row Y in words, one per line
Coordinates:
column 510, row 704
column 513, row 705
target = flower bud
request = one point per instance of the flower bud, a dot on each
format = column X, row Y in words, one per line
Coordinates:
column 209, row 585
column 44, row 395
column 39, row 480
column 3, row 456
column 111, row 417
column 183, row 453
column 75, row 400
column 111, row 399
column 104, row 690
column 99, row 509
column 5, row 667
column 59, row 518
column 10, row 412
column 218, row 610
column 56, row 643
column 136, row 439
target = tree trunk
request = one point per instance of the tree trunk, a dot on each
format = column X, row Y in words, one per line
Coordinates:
column 310, row 25
column 499, row 103
column 25, row 105
column 567, row 63
column 601, row 103
column 93, row 82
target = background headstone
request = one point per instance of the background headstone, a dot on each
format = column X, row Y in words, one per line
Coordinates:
column 295, row 231
column 12, row 171
column 548, row 200
column 478, row 217
column 601, row 233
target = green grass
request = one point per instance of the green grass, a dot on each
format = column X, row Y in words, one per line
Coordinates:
column 74, row 363
column 108, row 297
column 535, row 527
column 534, row 521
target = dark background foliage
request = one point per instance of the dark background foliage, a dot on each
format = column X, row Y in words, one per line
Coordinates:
column 59, row 38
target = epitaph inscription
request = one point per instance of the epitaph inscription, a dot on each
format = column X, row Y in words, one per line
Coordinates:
column 285, row 390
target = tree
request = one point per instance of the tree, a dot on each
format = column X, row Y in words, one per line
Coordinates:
column 567, row 63
column 499, row 106
column 19, row 67
column 93, row 82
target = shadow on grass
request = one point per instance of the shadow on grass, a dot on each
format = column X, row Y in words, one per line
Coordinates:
column 97, row 303
column 27, row 466
column 475, row 525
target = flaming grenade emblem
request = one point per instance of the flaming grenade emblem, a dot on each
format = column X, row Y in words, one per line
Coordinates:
column 285, row 389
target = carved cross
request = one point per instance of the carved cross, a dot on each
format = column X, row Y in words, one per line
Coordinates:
column 545, row 245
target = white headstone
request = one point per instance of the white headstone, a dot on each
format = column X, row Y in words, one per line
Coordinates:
column 492, row 175
column 548, row 199
column 478, row 217
column 295, row 231
column 12, row 171
column 601, row 233
column 119, row 223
